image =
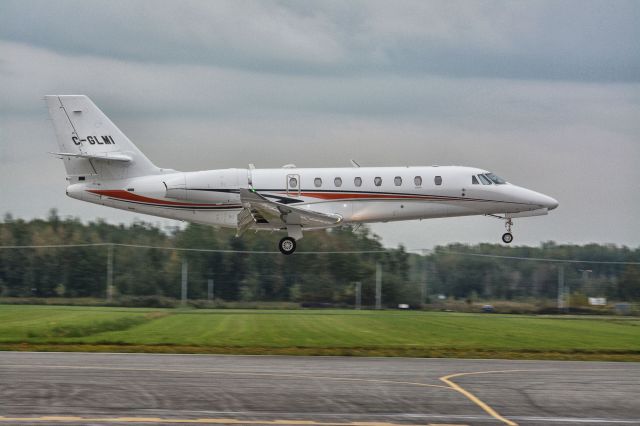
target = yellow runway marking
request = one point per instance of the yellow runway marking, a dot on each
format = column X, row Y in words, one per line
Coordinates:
column 216, row 421
column 446, row 379
column 493, row 413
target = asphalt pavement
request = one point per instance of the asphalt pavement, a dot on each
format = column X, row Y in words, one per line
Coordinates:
column 85, row 388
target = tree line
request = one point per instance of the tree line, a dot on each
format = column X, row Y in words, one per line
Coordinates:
column 448, row 271
column 459, row 271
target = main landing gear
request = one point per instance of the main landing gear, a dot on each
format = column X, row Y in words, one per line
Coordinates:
column 507, row 237
column 287, row 245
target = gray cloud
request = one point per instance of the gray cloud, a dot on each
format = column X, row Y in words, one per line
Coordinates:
column 212, row 85
column 569, row 40
column 214, row 93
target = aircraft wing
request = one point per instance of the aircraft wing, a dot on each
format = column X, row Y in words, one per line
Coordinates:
column 258, row 209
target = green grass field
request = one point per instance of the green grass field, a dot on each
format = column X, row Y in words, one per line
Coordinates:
column 331, row 332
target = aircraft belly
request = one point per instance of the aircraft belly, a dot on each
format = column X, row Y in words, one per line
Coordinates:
column 374, row 211
column 225, row 218
column 382, row 211
column 342, row 208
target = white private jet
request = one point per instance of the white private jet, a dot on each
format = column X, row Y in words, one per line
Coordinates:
column 105, row 167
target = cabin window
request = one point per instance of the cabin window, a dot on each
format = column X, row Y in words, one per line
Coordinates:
column 438, row 180
column 377, row 181
column 397, row 181
column 357, row 181
column 417, row 180
column 317, row 182
column 130, row 189
column 485, row 180
column 474, row 180
column 81, row 178
column 293, row 182
column 337, row 182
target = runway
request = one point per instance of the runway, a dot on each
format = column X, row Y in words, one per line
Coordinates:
column 82, row 388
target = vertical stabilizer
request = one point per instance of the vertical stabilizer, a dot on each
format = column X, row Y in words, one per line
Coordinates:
column 91, row 146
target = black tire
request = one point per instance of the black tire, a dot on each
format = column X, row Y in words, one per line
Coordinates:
column 287, row 246
column 507, row 237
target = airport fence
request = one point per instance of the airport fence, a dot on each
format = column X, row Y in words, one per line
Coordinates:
column 442, row 279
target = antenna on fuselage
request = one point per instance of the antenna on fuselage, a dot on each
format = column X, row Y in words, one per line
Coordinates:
column 353, row 163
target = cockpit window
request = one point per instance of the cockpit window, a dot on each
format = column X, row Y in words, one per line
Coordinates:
column 485, row 180
column 474, row 180
column 496, row 179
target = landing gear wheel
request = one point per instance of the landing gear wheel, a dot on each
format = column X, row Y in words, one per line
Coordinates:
column 287, row 245
column 507, row 237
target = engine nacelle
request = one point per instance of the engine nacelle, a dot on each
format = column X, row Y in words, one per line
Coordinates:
column 211, row 186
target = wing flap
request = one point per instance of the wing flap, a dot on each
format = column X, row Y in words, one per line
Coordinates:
column 279, row 215
column 245, row 221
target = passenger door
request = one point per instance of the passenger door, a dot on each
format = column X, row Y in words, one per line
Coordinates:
column 293, row 185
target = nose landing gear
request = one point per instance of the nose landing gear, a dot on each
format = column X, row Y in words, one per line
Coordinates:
column 507, row 237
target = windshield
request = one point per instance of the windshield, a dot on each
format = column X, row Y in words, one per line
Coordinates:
column 496, row 179
column 485, row 180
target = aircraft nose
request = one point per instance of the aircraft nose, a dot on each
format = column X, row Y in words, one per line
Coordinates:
column 547, row 202
column 538, row 199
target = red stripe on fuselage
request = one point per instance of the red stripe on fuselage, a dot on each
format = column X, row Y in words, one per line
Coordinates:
column 120, row 194
column 357, row 195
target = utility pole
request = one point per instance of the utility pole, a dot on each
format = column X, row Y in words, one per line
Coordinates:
column 425, row 286
column 109, row 272
column 378, row 285
column 585, row 281
column 358, row 295
column 185, row 273
column 210, row 289
column 560, row 288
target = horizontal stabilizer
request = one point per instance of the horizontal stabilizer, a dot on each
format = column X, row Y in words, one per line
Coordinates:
column 105, row 156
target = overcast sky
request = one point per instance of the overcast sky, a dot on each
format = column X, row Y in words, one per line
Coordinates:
column 545, row 94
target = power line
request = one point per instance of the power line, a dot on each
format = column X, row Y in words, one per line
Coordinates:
column 189, row 249
column 56, row 246
column 185, row 248
column 538, row 259
column 248, row 251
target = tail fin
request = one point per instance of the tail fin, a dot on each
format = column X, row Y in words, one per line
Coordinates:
column 91, row 146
